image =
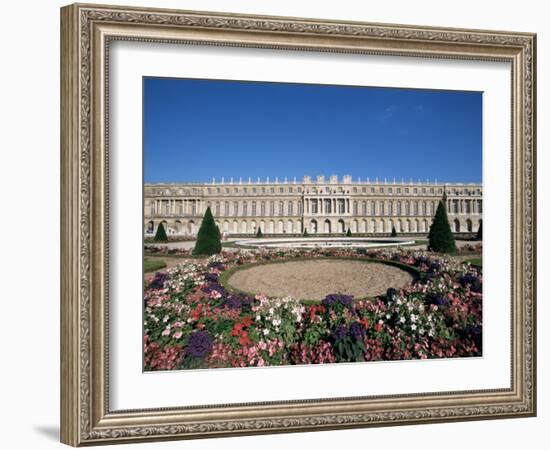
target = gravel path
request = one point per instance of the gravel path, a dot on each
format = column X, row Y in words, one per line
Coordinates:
column 313, row 280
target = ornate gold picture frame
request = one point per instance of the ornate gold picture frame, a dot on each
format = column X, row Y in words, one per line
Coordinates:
column 87, row 32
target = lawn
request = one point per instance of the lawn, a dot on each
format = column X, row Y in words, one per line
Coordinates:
column 477, row 261
column 150, row 265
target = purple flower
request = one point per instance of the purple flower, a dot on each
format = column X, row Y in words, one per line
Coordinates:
column 357, row 330
column 233, row 302
column 199, row 344
column 338, row 299
column 437, row 299
column 212, row 277
column 158, row 280
column 474, row 332
column 216, row 265
column 340, row 332
column 208, row 288
column 421, row 260
column 467, row 279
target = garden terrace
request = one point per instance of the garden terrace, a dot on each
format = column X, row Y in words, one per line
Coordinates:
column 192, row 320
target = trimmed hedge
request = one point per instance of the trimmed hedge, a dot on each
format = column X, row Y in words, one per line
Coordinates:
column 160, row 235
column 479, row 235
column 208, row 237
column 441, row 238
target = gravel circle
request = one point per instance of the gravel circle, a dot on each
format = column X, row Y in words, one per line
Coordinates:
column 315, row 279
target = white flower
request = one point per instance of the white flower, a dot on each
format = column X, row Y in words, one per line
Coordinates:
column 430, row 333
column 413, row 318
column 413, row 327
column 258, row 318
column 380, row 321
column 165, row 319
column 266, row 331
column 421, row 331
column 388, row 316
column 402, row 320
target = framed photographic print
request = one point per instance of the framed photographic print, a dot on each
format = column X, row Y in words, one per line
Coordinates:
column 275, row 224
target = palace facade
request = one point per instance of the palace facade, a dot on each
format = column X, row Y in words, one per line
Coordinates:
column 322, row 206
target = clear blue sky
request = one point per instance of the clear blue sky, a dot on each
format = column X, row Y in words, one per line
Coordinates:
column 194, row 130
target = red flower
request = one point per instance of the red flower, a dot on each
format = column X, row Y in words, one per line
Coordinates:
column 378, row 326
column 244, row 340
column 196, row 313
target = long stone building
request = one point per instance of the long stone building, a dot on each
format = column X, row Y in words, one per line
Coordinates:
column 322, row 206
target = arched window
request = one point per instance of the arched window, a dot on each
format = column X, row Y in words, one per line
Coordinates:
column 457, row 225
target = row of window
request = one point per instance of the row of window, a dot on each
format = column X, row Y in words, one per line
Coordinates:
column 319, row 190
column 366, row 208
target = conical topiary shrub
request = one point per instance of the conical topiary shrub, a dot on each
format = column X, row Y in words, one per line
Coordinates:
column 393, row 232
column 306, row 234
column 259, row 233
column 208, row 237
column 160, row 235
column 441, row 238
column 479, row 235
column 348, row 233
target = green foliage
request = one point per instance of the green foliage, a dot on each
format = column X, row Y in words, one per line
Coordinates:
column 349, row 349
column 160, row 235
column 150, row 265
column 479, row 235
column 208, row 237
column 348, row 233
column 259, row 233
column 475, row 261
column 440, row 237
column 393, row 232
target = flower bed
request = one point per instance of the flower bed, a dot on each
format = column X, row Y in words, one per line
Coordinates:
column 192, row 321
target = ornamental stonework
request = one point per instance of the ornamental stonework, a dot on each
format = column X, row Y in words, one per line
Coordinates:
column 322, row 206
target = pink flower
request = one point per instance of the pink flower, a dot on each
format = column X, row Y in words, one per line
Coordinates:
column 178, row 334
column 166, row 331
column 215, row 295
